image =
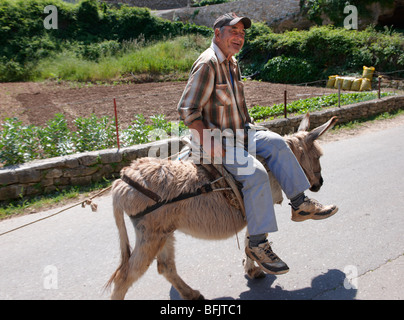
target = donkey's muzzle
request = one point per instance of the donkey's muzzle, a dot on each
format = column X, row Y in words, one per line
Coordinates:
column 317, row 186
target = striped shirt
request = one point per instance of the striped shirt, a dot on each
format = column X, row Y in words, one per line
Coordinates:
column 211, row 96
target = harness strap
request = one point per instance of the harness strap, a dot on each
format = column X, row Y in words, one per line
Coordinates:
column 137, row 186
column 204, row 189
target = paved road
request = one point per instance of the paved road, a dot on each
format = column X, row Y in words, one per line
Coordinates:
column 71, row 255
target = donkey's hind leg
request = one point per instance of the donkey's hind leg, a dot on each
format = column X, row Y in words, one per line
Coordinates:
column 166, row 267
column 140, row 259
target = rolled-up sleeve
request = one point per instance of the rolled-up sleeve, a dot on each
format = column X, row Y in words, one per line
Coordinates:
column 197, row 93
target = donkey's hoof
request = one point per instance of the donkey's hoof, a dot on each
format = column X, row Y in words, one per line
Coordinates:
column 194, row 295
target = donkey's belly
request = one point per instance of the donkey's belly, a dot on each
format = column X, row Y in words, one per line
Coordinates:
column 212, row 225
column 209, row 234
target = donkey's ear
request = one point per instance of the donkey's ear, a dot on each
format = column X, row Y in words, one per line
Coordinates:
column 317, row 132
column 305, row 124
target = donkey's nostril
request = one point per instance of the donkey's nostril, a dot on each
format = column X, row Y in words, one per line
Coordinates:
column 315, row 187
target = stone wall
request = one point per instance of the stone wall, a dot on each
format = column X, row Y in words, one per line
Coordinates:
column 345, row 114
column 258, row 10
column 44, row 176
column 48, row 175
column 154, row 4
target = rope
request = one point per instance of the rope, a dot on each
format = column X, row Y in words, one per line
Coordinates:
column 83, row 203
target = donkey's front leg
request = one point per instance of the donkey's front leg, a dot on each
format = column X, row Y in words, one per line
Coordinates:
column 166, row 267
column 252, row 271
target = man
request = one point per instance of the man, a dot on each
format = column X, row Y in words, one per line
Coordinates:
column 214, row 99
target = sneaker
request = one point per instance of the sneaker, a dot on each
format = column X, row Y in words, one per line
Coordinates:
column 312, row 209
column 266, row 258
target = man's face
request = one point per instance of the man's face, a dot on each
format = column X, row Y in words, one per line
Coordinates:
column 231, row 39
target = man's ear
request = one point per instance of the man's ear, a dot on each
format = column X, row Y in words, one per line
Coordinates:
column 217, row 33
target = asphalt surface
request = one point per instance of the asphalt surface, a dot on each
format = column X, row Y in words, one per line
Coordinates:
column 356, row 254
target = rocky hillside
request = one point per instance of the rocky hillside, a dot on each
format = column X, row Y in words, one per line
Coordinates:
column 280, row 15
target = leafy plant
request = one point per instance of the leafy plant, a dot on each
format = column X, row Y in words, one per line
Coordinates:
column 94, row 133
column 137, row 132
column 310, row 104
column 56, row 138
column 20, row 143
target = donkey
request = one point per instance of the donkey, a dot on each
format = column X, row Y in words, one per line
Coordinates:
column 207, row 216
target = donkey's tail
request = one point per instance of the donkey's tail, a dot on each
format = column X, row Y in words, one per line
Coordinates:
column 122, row 271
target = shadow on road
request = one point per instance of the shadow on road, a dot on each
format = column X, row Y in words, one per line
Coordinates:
column 260, row 289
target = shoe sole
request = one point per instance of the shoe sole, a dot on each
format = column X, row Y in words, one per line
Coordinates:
column 263, row 268
column 301, row 217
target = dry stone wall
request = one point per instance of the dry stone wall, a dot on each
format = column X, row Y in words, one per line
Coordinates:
column 154, row 4
column 257, row 10
column 345, row 114
column 54, row 174
column 44, row 176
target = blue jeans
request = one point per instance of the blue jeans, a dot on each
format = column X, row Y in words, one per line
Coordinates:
column 256, row 187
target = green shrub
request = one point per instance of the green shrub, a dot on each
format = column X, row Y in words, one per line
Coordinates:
column 202, row 3
column 317, row 10
column 288, row 70
column 328, row 50
column 91, row 28
column 11, row 70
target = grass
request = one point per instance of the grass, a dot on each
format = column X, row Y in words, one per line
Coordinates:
column 173, row 57
column 48, row 201
column 359, row 122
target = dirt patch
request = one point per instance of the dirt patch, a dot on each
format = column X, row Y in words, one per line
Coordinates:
column 36, row 103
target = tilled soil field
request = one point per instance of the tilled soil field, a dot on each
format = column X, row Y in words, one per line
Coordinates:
column 35, row 103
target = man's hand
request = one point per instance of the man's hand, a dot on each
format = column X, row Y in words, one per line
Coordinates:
column 216, row 150
column 213, row 147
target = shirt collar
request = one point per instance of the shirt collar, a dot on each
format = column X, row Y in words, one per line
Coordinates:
column 220, row 55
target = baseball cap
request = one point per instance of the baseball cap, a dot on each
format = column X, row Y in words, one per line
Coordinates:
column 230, row 19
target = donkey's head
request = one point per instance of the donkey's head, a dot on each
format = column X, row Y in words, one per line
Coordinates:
column 308, row 151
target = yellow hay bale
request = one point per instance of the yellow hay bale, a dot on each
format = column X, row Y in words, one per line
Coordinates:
column 338, row 80
column 331, row 81
column 365, row 85
column 346, row 83
column 368, row 72
column 356, row 84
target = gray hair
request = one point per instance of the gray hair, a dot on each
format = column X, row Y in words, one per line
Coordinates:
column 220, row 30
